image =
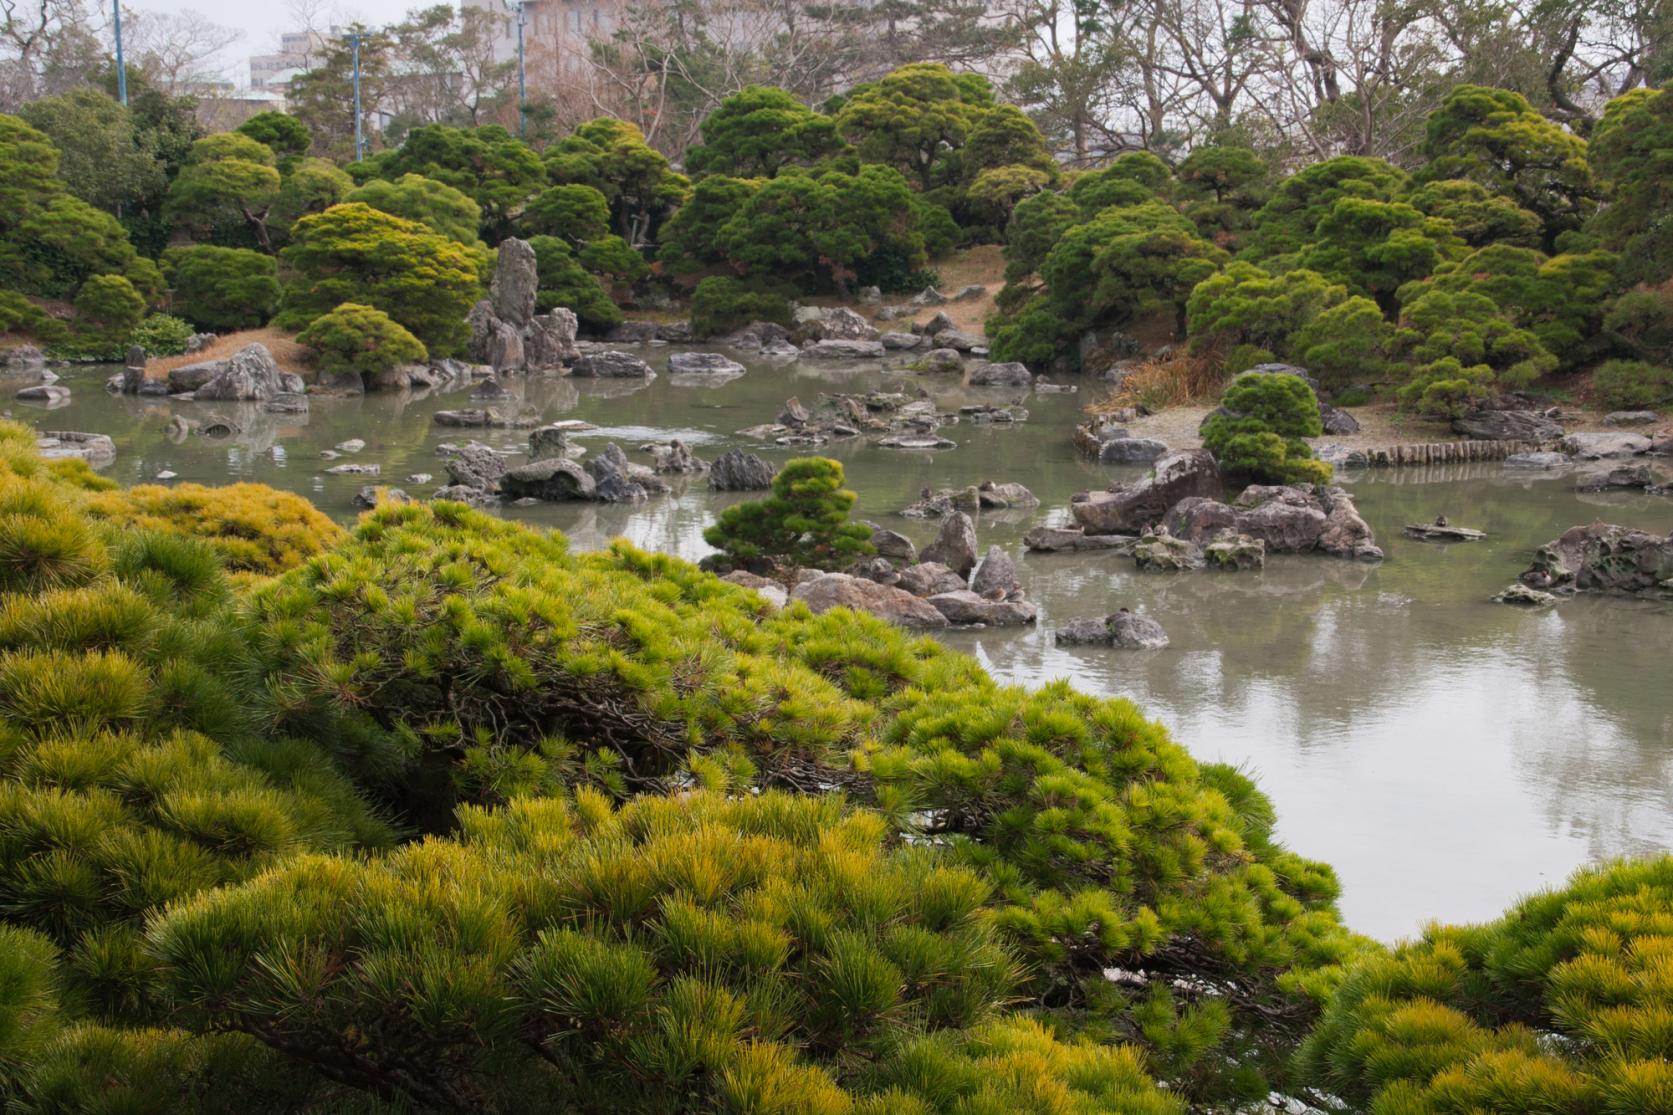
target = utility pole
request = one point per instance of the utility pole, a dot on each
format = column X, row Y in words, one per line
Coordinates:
column 359, row 133
column 121, row 70
column 522, row 86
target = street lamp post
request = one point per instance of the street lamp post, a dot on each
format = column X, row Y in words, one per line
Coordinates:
column 121, row 70
column 522, row 87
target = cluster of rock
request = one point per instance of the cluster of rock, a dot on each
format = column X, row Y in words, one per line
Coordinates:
column 903, row 422
column 1182, row 496
column 477, row 474
column 946, row 585
column 57, row 445
column 506, row 333
column 1604, row 558
column 250, row 375
column 1121, row 628
column 989, row 495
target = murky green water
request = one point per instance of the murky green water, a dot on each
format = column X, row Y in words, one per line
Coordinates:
column 1446, row 754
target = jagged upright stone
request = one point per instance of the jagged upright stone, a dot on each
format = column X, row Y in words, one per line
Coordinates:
column 955, row 546
column 516, row 278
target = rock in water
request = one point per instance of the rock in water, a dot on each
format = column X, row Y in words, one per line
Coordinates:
column 942, row 360
column 1198, row 519
column 611, row 365
column 842, row 324
column 1346, row 533
column 996, row 576
column 1230, row 550
column 1593, row 447
column 955, row 546
column 1525, row 597
column 844, row 350
column 613, row 481
column 676, row 457
column 839, row 590
column 49, row 393
column 516, row 279
column 549, row 340
column 929, row 578
column 56, row 445
column 703, row 363
column 737, row 471
column 1052, row 540
column 475, row 466
column 901, row 341
column 993, row 496
column 892, row 545
column 1603, row 557
column 1128, row 508
column 1163, row 553
column 1085, row 631
column 963, row 606
column 248, row 375
column 553, row 478
column 1134, row 632
column 1011, row 374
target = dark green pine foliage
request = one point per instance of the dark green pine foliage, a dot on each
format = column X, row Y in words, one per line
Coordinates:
column 1256, row 436
column 803, row 524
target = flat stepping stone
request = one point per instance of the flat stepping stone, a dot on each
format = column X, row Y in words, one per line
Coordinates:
column 1430, row 532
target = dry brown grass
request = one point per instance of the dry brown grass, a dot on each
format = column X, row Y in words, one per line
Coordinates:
column 289, row 355
column 1155, row 385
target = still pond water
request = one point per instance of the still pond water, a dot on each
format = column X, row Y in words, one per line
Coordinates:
column 1446, row 754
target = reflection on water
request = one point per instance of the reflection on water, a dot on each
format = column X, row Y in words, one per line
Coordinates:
column 1444, row 753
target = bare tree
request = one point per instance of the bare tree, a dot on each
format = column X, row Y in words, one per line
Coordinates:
column 175, row 50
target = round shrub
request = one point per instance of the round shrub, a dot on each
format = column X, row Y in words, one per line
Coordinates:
column 575, row 212
column 804, row 523
column 721, row 304
column 1257, row 436
column 20, row 316
column 108, row 310
column 222, row 289
column 1632, row 384
column 360, row 339
column 254, row 528
column 434, row 204
column 162, row 335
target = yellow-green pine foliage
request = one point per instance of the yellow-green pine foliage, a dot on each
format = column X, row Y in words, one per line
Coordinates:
column 804, row 523
column 131, row 768
column 1563, row 1006
column 698, row 953
column 449, row 656
column 253, row 528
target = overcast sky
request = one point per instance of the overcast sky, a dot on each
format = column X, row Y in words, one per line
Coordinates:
column 261, row 21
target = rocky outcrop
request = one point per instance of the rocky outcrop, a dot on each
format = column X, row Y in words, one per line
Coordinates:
column 839, row 590
column 1605, row 558
column 1346, row 533
column 892, row 545
column 901, row 341
column 1642, row 478
column 1198, row 519
column 677, row 458
column 248, row 375
column 475, row 466
column 1630, row 418
column 506, row 333
column 838, row 323
column 958, row 340
column 47, row 394
column 618, row 480
column 1524, row 597
column 955, row 546
column 1509, row 425
column 485, row 418
column 1232, row 551
column 703, row 363
column 1128, row 508
column 610, row 364
column 737, row 471
column 1542, row 460
column 765, row 337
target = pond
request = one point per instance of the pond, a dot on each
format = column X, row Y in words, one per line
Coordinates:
column 1444, row 753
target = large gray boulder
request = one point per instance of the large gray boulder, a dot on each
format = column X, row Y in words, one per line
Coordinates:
column 1011, row 374
column 1508, row 425
column 1163, row 553
column 494, row 342
column 929, row 578
column 955, row 546
column 611, row 365
column 248, row 375
column 1128, row 508
column 1230, row 550
column 839, row 590
column 1135, row 632
column 958, row 339
column 942, row 361
column 552, row 478
column 1057, row 540
column 965, row 607
column 703, row 363
column 1198, row 519
column 51, row 394
column 1603, row 557
column 97, row 450
column 1346, row 534
column 844, row 350
column 842, row 324
column 996, row 576
column 772, row 591
column 549, row 340
column 475, row 466
column 737, row 471
column 1289, row 519
column 190, row 377
column 901, row 341
column 516, row 279
column 1600, row 446
column 614, row 479
column 548, row 441
column 893, row 545
column 1131, row 450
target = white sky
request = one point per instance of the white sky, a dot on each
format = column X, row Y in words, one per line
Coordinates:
column 261, row 21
